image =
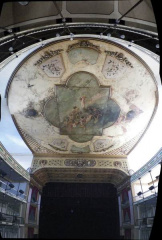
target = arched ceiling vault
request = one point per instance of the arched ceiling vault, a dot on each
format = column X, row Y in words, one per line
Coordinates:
column 81, row 106
column 82, row 100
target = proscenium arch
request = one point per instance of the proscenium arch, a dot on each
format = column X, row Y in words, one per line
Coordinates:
column 92, row 175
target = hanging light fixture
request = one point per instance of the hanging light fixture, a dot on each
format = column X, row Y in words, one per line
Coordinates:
column 10, row 49
column 139, row 193
column 122, row 36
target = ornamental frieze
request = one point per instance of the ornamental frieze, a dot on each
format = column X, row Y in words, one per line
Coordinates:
column 83, row 44
column 80, row 163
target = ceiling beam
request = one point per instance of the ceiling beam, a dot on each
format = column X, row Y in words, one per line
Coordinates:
column 130, row 10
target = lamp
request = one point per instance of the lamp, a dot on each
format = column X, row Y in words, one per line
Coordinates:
column 11, row 185
column 139, row 193
column 151, row 188
column 10, row 49
column 21, row 191
column 122, row 36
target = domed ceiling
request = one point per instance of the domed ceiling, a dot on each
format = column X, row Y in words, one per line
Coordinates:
column 83, row 96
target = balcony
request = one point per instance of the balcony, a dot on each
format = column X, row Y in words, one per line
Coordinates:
column 6, row 219
column 11, row 191
column 144, row 222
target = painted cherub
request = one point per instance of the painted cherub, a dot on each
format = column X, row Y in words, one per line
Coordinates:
column 82, row 99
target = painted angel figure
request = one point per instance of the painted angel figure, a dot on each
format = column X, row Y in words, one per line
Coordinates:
column 82, row 99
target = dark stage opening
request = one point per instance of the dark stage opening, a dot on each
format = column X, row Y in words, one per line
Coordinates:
column 79, row 211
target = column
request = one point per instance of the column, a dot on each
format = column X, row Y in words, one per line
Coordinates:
column 38, row 208
column 120, row 210
column 28, row 205
column 131, row 207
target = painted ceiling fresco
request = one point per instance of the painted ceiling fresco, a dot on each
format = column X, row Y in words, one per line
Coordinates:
column 81, row 109
column 82, row 96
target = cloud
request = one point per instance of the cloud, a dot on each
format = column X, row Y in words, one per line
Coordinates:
column 16, row 140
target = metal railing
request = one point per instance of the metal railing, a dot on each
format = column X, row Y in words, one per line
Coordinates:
column 11, row 191
column 144, row 222
column 146, row 194
column 35, row 35
column 13, row 219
